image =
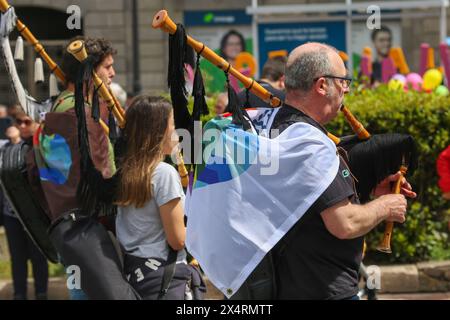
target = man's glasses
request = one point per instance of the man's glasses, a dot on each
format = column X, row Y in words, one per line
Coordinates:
column 345, row 81
column 26, row 122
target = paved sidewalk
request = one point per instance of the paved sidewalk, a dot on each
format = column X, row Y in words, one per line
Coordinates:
column 416, row 296
column 58, row 291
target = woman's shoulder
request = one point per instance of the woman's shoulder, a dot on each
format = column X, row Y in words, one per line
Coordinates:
column 164, row 168
column 166, row 184
column 165, row 172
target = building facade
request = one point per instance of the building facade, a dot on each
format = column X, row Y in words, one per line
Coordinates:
column 111, row 19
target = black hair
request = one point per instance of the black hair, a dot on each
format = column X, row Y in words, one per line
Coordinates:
column 224, row 40
column 274, row 68
column 98, row 49
column 381, row 29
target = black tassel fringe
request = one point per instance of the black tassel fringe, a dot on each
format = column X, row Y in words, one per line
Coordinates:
column 94, row 193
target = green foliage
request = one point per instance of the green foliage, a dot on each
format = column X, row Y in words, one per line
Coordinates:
column 427, row 118
column 54, row 270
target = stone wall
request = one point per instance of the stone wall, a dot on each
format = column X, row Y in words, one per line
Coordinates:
column 420, row 277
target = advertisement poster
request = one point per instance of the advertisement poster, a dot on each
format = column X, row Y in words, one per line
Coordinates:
column 287, row 36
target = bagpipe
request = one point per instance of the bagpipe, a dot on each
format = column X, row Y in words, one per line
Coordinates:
column 371, row 157
column 14, row 175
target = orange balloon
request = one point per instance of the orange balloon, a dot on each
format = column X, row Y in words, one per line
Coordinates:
column 245, row 60
column 278, row 53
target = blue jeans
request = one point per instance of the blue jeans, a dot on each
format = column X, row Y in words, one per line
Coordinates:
column 22, row 249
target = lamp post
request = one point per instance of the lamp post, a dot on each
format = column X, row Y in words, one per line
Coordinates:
column 137, row 87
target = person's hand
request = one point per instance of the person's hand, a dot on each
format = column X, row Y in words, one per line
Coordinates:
column 384, row 187
column 396, row 206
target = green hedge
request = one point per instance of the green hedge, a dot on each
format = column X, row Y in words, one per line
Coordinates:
column 427, row 118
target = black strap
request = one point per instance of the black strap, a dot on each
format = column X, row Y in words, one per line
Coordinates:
column 169, row 272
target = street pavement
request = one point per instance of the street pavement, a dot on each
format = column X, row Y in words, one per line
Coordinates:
column 58, row 291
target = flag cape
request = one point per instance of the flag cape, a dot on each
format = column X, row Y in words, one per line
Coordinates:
column 249, row 192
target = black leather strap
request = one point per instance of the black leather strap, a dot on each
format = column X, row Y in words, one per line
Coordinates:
column 169, row 272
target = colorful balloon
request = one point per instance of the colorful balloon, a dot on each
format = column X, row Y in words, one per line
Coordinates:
column 395, row 85
column 400, row 78
column 442, row 91
column 432, row 79
column 414, row 80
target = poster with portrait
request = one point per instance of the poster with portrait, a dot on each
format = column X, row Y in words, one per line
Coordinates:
column 226, row 32
column 362, row 37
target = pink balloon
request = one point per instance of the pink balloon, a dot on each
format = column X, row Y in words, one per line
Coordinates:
column 414, row 80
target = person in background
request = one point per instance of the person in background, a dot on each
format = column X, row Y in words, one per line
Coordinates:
column 5, row 123
column 443, row 170
column 231, row 45
column 221, row 103
column 3, row 111
column 382, row 41
column 130, row 98
column 272, row 79
column 13, row 110
column 119, row 93
column 21, row 247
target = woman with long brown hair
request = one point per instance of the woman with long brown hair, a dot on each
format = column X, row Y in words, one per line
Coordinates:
column 150, row 222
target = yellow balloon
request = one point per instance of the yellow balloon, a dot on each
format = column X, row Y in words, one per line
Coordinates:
column 432, row 79
column 395, row 85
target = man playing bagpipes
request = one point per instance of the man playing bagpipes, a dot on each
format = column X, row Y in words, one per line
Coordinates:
column 320, row 256
column 73, row 157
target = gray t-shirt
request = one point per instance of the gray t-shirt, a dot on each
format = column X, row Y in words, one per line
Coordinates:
column 140, row 231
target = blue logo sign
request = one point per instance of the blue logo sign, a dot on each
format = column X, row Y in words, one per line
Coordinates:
column 216, row 18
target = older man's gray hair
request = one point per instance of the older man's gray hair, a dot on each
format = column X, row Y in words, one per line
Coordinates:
column 309, row 65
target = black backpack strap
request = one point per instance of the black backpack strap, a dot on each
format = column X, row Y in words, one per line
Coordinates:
column 169, row 272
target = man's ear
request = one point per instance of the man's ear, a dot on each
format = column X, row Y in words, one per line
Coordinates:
column 321, row 86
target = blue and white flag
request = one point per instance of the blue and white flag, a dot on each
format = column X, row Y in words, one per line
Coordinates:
column 249, row 192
